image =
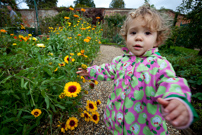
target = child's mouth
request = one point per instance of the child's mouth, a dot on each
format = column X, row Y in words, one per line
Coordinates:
column 137, row 47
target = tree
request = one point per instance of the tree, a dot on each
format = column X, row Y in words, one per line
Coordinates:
column 42, row 3
column 193, row 30
column 88, row 3
column 117, row 4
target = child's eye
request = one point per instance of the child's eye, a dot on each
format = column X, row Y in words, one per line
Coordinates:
column 133, row 33
column 147, row 33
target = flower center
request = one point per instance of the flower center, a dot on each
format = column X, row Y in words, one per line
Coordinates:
column 91, row 106
column 95, row 117
column 63, row 125
column 72, row 89
column 72, row 123
column 67, row 59
column 86, row 115
column 36, row 113
column 63, row 95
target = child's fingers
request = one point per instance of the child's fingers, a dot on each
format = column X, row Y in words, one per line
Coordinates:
column 175, row 113
column 181, row 120
column 171, row 106
column 163, row 102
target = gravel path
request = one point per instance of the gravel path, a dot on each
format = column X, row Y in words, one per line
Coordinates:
column 102, row 91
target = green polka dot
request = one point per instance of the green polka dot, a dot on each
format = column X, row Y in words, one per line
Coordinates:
column 129, row 118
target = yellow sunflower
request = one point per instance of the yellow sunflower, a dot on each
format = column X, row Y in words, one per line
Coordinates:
column 79, row 54
column 91, row 106
column 3, row 31
column 61, row 64
column 36, row 112
column 85, row 56
column 82, row 51
column 71, row 54
column 71, row 8
column 88, row 37
column 72, row 123
column 56, row 70
column 92, row 85
column 66, row 17
column 84, row 66
column 86, row 92
column 72, row 89
column 86, row 115
column 62, row 126
column 62, row 95
column 95, row 117
column 66, row 59
column 79, row 35
column 98, row 102
column 76, row 16
column 83, row 10
column 86, row 40
column 80, row 110
column 14, row 44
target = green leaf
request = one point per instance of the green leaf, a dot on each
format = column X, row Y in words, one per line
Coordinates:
column 161, row 76
column 133, row 63
column 148, row 66
column 152, row 62
column 48, row 71
column 154, row 131
column 126, row 110
column 140, row 79
column 158, row 128
column 53, row 108
column 47, row 102
column 19, row 113
column 133, row 99
column 148, row 98
column 58, row 105
column 4, row 80
column 8, row 120
column 144, row 103
column 129, row 131
column 43, row 93
column 22, row 82
column 147, row 123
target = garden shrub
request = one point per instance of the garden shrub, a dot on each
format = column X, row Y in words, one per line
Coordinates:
column 92, row 16
column 187, row 64
column 35, row 75
column 112, row 25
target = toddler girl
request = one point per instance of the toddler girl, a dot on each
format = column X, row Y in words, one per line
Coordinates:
column 146, row 89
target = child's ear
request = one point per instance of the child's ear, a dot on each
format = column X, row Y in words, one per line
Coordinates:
column 157, row 43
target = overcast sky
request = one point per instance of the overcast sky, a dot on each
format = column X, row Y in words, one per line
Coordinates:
column 168, row 4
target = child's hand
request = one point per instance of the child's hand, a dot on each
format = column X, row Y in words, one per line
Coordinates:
column 177, row 113
column 82, row 72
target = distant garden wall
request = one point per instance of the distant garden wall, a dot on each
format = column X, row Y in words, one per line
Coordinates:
column 29, row 15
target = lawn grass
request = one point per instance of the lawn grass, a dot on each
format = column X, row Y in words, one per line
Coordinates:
column 185, row 50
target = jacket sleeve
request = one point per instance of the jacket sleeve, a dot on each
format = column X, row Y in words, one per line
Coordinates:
column 169, row 86
column 105, row 72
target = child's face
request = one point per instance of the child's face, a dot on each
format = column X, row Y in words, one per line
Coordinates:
column 139, row 37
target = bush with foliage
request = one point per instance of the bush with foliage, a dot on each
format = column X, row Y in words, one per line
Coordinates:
column 112, row 26
column 38, row 76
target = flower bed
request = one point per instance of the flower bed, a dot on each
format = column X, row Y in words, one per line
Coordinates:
column 39, row 80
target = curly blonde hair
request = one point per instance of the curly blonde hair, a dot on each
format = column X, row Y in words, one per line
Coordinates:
column 155, row 22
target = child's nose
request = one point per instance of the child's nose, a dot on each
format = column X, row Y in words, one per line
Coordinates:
column 138, row 38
